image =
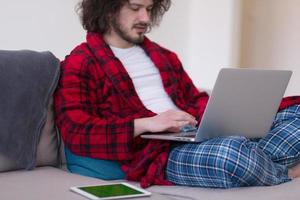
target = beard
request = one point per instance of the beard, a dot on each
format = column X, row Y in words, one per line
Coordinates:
column 125, row 35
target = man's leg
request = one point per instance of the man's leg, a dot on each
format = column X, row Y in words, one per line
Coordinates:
column 282, row 144
column 223, row 163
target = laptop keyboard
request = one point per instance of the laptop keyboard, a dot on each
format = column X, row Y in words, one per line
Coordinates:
column 188, row 128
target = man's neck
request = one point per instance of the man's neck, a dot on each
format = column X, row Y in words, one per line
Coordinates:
column 114, row 40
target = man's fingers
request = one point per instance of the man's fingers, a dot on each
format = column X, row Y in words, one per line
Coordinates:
column 183, row 116
column 179, row 124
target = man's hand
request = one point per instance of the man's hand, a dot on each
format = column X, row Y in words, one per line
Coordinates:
column 171, row 121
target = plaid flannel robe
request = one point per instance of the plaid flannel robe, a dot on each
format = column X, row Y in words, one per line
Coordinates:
column 289, row 101
column 96, row 103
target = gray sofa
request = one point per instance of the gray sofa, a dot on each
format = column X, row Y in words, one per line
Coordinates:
column 49, row 179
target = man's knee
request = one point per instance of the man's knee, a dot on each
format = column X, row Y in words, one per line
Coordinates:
column 237, row 158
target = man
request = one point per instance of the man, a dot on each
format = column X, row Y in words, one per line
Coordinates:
column 119, row 84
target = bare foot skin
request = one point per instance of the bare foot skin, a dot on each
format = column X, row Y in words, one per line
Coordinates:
column 294, row 172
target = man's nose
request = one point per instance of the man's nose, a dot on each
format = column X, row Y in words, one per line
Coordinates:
column 145, row 16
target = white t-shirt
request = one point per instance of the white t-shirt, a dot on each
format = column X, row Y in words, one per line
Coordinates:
column 146, row 78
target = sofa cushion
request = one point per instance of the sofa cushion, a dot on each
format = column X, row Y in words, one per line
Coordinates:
column 53, row 184
column 47, row 150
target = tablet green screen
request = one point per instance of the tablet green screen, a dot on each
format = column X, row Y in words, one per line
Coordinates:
column 110, row 190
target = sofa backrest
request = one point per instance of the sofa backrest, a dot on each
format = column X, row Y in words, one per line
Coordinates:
column 47, row 150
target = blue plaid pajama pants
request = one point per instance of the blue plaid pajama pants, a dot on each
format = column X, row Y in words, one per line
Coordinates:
column 237, row 161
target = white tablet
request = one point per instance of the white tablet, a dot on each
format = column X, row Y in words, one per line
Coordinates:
column 110, row 191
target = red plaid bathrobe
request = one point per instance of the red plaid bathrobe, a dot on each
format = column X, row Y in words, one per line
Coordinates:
column 96, row 103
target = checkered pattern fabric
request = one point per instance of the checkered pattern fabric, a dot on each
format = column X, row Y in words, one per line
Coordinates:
column 237, row 161
column 282, row 143
column 96, row 104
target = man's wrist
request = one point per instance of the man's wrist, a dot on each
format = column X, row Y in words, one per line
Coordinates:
column 140, row 126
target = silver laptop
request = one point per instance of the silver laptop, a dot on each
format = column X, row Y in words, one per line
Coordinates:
column 243, row 102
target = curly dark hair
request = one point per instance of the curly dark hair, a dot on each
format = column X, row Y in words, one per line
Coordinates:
column 95, row 14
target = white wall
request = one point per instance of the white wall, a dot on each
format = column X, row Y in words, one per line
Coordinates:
column 205, row 34
column 40, row 25
column 271, row 37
